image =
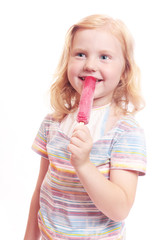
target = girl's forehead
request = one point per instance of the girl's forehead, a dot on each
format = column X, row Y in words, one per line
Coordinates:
column 95, row 35
column 102, row 31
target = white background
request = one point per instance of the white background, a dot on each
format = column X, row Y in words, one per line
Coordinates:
column 32, row 35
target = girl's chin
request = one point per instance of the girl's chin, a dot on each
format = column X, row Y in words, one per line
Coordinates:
column 100, row 99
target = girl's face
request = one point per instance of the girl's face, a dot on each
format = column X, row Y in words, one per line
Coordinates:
column 97, row 53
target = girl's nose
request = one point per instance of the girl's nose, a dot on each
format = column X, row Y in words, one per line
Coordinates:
column 90, row 65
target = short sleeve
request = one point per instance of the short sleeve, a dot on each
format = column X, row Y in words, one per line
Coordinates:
column 129, row 152
column 40, row 142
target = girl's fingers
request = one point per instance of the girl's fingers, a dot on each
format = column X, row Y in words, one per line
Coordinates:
column 76, row 141
column 82, row 133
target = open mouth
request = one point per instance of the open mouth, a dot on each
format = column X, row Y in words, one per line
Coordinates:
column 97, row 80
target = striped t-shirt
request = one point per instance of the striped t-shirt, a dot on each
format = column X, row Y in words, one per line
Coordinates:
column 66, row 210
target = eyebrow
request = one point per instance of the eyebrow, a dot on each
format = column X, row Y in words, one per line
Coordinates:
column 78, row 49
column 105, row 51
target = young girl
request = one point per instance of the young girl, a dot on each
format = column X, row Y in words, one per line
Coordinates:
column 88, row 174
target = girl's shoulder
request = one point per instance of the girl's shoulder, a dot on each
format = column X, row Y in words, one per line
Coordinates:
column 49, row 124
column 49, row 119
column 128, row 125
column 119, row 123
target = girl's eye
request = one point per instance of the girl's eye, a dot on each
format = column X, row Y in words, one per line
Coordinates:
column 104, row 57
column 80, row 54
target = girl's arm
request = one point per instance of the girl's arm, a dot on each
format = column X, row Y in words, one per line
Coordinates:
column 113, row 197
column 32, row 230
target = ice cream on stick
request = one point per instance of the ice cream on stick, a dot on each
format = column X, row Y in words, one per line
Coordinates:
column 86, row 100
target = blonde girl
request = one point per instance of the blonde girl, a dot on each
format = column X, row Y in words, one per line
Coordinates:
column 88, row 174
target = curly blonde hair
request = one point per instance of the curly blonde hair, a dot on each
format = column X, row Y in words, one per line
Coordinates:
column 127, row 96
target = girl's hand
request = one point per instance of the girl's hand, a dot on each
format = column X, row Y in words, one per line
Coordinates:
column 80, row 146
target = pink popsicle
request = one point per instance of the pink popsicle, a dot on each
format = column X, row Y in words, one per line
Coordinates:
column 86, row 100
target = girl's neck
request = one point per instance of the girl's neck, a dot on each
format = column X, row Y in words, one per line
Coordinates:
column 101, row 106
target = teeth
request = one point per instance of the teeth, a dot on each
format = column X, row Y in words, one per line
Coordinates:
column 98, row 80
column 82, row 78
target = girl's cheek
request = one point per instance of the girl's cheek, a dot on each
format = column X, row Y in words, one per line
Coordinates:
column 72, row 68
